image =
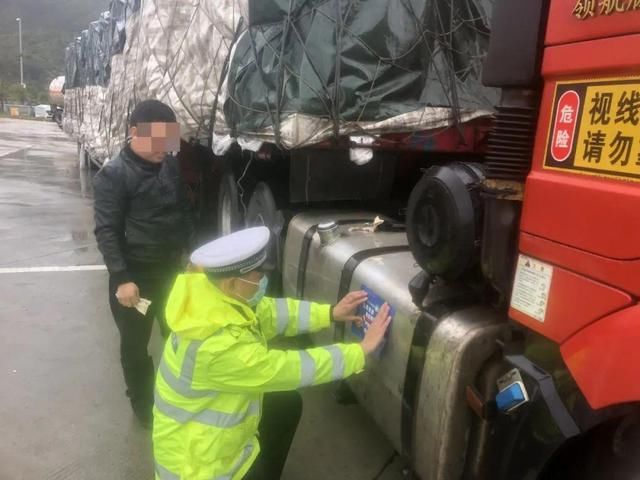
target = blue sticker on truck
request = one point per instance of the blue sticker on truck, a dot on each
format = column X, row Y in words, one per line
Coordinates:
column 368, row 311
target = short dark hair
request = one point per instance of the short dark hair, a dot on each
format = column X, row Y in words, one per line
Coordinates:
column 150, row 111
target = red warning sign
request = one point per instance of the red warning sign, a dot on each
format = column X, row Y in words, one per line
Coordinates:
column 564, row 128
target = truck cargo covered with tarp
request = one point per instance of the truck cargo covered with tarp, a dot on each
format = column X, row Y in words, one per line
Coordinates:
column 292, row 73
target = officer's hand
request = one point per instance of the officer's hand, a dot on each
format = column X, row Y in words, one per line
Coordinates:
column 128, row 294
column 375, row 333
column 345, row 310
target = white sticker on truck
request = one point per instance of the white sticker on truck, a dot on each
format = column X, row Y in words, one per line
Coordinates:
column 531, row 287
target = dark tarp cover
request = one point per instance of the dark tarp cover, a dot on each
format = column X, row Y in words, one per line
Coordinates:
column 120, row 11
column 83, row 60
column 88, row 60
column 357, row 60
column 71, row 66
column 98, row 59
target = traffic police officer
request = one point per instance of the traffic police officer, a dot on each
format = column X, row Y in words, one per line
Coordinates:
column 213, row 397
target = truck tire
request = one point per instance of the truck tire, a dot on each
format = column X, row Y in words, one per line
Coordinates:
column 262, row 210
column 609, row 451
column 230, row 218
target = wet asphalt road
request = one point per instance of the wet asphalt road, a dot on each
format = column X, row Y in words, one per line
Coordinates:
column 63, row 412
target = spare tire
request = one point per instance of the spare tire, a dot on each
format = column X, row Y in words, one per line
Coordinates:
column 444, row 219
column 230, row 218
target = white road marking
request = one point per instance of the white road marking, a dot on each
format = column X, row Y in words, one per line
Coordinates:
column 6, row 153
column 78, row 268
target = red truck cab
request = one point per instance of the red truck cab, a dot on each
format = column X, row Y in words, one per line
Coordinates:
column 581, row 211
column 566, row 144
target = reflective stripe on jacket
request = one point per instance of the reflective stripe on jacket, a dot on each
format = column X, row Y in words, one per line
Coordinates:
column 215, row 368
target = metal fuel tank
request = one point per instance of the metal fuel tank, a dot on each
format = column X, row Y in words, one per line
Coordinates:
column 414, row 391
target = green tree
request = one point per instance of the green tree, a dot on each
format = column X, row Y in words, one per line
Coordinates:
column 48, row 27
column 15, row 93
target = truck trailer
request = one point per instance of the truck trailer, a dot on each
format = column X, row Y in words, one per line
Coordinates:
column 475, row 164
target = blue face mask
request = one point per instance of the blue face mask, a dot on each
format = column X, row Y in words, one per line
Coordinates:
column 260, row 293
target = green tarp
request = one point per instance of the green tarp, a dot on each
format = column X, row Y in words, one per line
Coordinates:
column 357, row 60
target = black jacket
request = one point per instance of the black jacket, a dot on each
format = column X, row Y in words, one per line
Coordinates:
column 142, row 214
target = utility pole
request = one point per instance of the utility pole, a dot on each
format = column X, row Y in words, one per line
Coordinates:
column 19, row 20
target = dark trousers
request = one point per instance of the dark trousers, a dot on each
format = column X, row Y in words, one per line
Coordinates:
column 280, row 416
column 135, row 331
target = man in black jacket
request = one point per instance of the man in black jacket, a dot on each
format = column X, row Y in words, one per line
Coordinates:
column 143, row 228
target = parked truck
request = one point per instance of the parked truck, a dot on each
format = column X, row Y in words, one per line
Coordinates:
column 481, row 179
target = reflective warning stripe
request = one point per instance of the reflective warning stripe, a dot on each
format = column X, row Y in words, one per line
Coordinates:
column 183, row 384
column 174, row 342
column 189, row 360
column 337, row 357
column 241, row 461
column 304, row 317
column 213, row 418
column 282, row 315
column 307, row 369
column 164, row 473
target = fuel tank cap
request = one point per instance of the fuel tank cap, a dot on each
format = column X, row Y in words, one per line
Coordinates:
column 328, row 232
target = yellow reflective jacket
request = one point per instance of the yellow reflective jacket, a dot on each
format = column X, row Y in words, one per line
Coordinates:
column 215, row 368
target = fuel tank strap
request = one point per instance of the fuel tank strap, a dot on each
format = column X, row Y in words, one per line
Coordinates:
column 306, row 246
column 425, row 326
column 349, row 269
column 359, row 257
column 557, row 408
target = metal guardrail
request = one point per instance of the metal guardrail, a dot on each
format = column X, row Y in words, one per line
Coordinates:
column 16, row 110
